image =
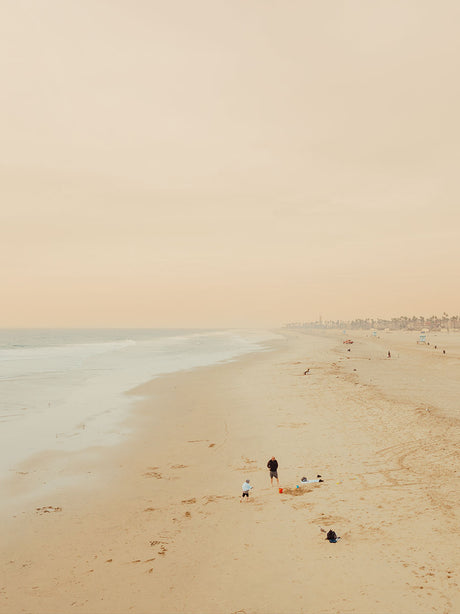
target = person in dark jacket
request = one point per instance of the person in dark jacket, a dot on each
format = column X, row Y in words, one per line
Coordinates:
column 273, row 467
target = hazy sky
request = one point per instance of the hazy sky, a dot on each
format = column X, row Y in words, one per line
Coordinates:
column 228, row 163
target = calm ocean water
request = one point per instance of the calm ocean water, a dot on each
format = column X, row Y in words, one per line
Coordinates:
column 63, row 389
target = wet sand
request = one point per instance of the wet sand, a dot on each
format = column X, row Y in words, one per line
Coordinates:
column 156, row 525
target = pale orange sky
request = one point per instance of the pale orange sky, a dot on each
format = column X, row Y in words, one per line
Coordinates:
column 216, row 163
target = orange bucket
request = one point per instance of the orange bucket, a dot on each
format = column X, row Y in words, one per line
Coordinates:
column 280, row 490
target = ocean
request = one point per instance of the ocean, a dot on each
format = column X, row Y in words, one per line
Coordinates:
column 63, row 389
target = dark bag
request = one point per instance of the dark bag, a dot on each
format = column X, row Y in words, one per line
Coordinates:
column 331, row 535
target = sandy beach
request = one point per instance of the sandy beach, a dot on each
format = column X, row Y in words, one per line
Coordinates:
column 157, row 525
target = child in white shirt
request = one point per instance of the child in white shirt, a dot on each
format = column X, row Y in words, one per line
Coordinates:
column 246, row 488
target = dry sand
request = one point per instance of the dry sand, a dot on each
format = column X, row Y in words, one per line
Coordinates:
column 156, row 525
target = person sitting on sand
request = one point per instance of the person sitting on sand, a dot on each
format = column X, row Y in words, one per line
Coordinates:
column 305, row 481
column 273, row 466
column 246, row 488
column 306, row 372
column 332, row 536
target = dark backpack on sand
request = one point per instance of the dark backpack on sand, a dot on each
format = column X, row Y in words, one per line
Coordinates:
column 331, row 535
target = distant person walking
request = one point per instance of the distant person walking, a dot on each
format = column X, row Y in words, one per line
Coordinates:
column 273, row 467
column 389, row 354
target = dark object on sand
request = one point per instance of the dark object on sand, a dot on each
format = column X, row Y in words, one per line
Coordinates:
column 306, row 372
column 331, row 536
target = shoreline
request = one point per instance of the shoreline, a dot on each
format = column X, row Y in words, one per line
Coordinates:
column 164, row 530
column 106, row 429
column 67, row 388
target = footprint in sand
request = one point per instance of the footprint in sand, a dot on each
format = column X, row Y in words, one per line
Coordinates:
column 156, row 542
column 47, row 509
column 162, row 550
column 328, row 519
column 179, row 466
column 152, row 473
column 214, row 498
column 189, row 501
column 298, row 506
column 249, row 465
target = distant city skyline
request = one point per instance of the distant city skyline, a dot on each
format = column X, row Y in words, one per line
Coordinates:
column 228, row 164
column 445, row 321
